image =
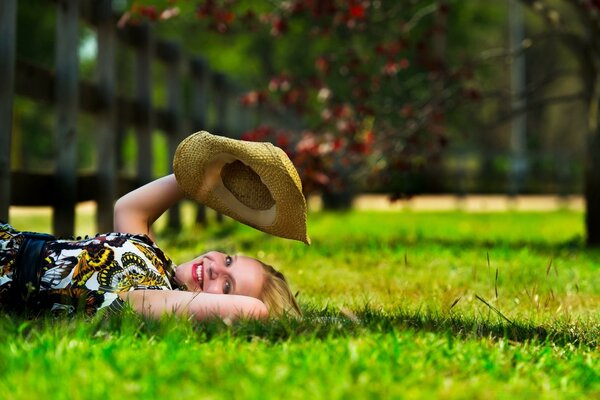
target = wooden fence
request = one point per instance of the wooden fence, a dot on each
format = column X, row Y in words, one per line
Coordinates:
column 113, row 113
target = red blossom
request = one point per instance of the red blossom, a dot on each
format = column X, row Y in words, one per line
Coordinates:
column 149, row 12
column 407, row 111
column 337, row 144
column 320, row 178
column 278, row 26
column 359, row 148
column 369, row 137
column 293, row 97
column 259, row 134
column 252, row 98
column 357, row 11
column 390, row 68
column 282, row 140
column 322, row 64
column 220, row 17
column 280, row 83
column 308, row 144
column 342, row 111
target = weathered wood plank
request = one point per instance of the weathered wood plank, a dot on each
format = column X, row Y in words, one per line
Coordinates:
column 106, row 117
column 200, row 74
column 174, row 105
column 8, row 22
column 221, row 96
column 67, row 78
column 144, row 120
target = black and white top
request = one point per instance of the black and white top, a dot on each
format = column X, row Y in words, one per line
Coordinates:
column 87, row 275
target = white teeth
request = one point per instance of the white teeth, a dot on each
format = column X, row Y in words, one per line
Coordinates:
column 199, row 273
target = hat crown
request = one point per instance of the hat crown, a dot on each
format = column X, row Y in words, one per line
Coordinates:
column 246, row 186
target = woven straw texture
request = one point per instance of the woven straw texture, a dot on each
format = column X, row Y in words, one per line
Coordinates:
column 246, row 186
column 256, row 183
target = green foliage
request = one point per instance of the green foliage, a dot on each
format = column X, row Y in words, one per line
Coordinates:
column 397, row 305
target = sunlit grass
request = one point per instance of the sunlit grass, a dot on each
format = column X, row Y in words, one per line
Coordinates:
column 398, row 305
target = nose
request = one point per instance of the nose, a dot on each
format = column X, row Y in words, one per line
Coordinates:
column 214, row 268
column 216, row 264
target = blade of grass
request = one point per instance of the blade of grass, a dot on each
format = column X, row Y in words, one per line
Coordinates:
column 455, row 302
column 496, row 283
column 493, row 308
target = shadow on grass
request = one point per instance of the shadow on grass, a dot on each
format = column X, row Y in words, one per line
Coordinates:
column 324, row 324
column 315, row 325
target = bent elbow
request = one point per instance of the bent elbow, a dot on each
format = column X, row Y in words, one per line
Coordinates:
column 260, row 310
column 120, row 213
column 253, row 309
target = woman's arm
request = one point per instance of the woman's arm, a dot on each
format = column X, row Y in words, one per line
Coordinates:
column 155, row 303
column 137, row 210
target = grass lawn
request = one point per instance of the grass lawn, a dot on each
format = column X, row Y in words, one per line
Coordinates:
column 404, row 304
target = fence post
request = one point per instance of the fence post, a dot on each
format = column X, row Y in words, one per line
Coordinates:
column 200, row 75
column 67, row 93
column 240, row 123
column 175, row 113
column 106, row 117
column 518, row 84
column 221, row 94
column 8, row 22
column 221, row 98
column 144, row 123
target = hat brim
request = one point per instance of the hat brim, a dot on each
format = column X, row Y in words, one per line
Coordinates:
column 198, row 164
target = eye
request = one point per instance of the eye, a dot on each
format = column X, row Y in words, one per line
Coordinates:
column 228, row 261
column 227, row 287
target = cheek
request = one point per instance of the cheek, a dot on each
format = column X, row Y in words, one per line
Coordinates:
column 213, row 286
column 183, row 273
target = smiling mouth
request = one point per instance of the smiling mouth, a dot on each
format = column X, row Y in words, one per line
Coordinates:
column 198, row 274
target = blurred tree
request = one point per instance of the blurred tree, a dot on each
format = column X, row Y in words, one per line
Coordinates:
column 576, row 23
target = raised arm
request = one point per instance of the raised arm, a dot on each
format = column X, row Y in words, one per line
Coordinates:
column 137, row 210
column 155, row 303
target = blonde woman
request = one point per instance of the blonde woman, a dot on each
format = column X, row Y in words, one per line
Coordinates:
column 39, row 272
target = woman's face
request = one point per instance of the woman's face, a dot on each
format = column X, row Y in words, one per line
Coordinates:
column 220, row 273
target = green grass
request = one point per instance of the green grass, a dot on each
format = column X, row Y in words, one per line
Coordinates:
column 398, row 305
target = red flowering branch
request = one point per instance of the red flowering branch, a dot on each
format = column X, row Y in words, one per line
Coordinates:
column 364, row 84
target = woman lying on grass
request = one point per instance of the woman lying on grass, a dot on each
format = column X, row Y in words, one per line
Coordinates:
column 40, row 272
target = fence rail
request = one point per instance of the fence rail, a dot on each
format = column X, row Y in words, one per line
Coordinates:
column 63, row 89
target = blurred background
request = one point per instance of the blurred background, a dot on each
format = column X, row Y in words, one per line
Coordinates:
column 399, row 98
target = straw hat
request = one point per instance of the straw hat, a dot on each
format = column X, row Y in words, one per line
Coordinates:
column 254, row 183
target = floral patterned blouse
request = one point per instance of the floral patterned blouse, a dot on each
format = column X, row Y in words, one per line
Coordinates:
column 87, row 275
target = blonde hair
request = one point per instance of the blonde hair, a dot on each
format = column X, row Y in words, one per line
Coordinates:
column 277, row 295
